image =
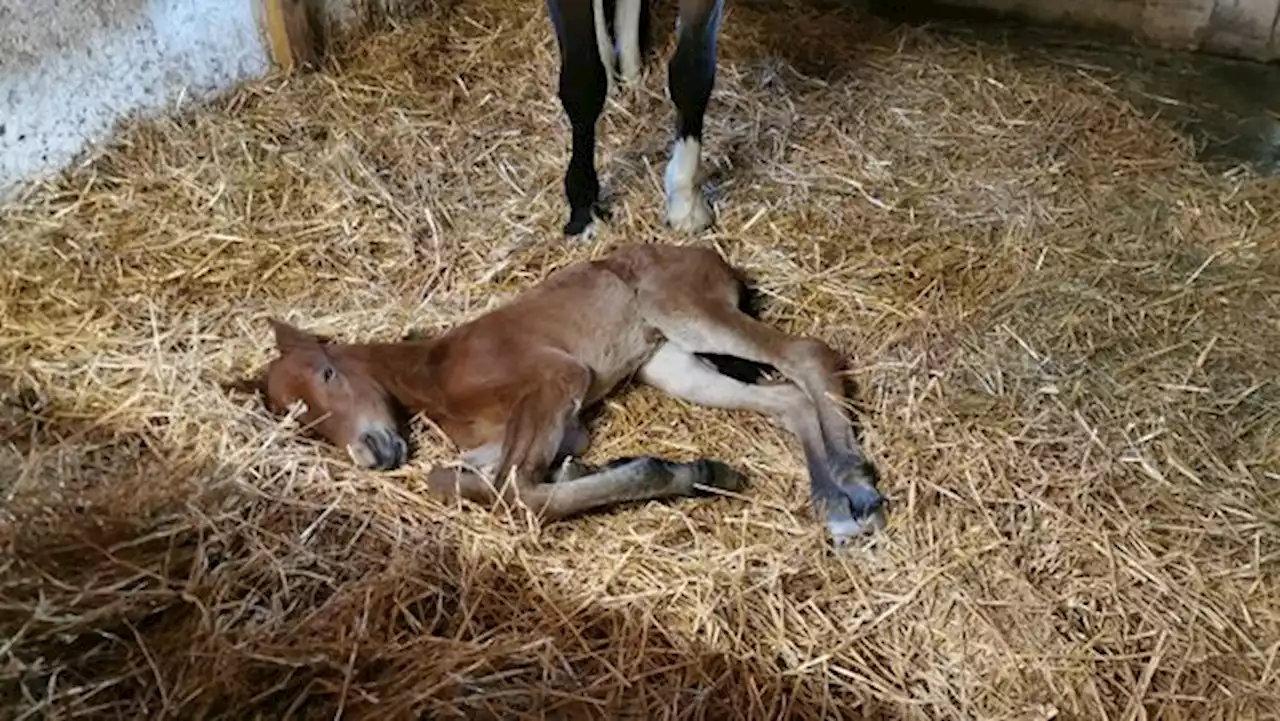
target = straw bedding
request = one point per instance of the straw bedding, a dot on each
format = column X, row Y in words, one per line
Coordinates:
column 1064, row 331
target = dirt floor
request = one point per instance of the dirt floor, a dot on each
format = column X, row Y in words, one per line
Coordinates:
column 1064, row 329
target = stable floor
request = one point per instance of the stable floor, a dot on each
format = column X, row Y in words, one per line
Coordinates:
column 1064, row 331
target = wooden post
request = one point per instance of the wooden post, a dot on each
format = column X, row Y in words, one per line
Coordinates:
column 289, row 32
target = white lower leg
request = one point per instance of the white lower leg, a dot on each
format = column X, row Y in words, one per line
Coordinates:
column 603, row 46
column 687, row 210
column 626, row 24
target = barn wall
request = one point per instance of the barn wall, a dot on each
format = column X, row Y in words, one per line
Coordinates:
column 70, row 69
column 1241, row 28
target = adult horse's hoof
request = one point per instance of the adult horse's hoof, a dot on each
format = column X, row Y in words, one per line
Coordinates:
column 582, row 223
column 687, row 209
column 583, row 227
column 689, row 215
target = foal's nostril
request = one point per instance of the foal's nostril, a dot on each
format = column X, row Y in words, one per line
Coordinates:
column 374, row 442
column 388, row 449
column 399, row 451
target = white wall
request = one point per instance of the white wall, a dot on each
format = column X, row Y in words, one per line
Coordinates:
column 1248, row 29
column 70, row 68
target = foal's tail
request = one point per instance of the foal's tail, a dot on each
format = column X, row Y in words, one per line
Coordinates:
column 750, row 300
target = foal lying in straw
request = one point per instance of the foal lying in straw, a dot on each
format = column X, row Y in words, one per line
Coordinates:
column 509, row 388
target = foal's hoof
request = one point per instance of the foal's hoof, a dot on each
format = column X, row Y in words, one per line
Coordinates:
column 719, row 475
column 571, row 469
column 852, row 508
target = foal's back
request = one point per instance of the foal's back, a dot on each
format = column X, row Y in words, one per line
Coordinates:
column 592, row 293
column 655, row 272
column 634, row 285
column 600, row 312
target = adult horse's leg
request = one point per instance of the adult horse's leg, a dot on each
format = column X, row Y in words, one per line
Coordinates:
column 584, row 84
column 691, row 74
column 631, row 24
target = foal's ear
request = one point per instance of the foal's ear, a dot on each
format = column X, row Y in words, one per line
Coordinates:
column 292, row 337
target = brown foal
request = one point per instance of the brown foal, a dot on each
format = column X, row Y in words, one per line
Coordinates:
column 509, row 388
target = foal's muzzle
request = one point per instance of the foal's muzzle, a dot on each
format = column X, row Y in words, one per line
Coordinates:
column 382, row 450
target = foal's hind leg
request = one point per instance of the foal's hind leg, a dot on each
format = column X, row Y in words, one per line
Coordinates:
column 691, row 75
column 682, row 374
column 848, row 506
column 698, row 323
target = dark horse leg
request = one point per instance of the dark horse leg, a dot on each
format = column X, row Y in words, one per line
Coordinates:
column 584, row 84
column 691, row 74
column 586, row 75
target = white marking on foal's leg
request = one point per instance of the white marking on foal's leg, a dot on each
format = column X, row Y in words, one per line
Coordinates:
column 687, row 209
column 603, row 44
column 626, row 23
column 849, row 534
column 484, row 459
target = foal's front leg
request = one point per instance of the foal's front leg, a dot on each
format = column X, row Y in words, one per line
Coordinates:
column 691, row 75
column 632, row 479
column 535, row 435
column 580, row 488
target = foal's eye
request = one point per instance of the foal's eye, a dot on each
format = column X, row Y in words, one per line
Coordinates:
column 327, row 374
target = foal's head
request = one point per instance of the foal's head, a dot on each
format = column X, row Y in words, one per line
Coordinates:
column 341, row 401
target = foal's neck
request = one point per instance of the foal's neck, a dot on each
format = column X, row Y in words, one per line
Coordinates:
column 404, row 369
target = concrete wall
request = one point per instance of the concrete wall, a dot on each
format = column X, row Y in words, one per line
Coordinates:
column 1240, row 28
column 70, row 69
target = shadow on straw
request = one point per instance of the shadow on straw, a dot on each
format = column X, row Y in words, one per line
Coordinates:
column 179, row 590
